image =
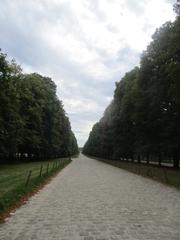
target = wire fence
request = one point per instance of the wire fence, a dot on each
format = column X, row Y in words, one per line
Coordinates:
column 45, row 170
column 15, row 181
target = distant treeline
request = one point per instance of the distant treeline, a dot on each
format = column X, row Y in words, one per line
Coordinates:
column 143, row 120
column 33, row 123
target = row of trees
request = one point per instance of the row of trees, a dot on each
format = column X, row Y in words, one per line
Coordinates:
column 143, row 120
column 33, row 123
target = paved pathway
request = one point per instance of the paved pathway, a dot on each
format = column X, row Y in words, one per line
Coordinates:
column 90, row 200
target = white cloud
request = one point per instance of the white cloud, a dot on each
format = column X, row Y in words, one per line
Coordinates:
column 84, row 45
column 81, row 105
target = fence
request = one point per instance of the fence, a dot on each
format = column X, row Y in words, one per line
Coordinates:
column 46, row 170
column 17, row 180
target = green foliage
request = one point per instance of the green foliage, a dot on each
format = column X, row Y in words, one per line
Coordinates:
column 177, row 7
column 33, row 123
column 143, row 119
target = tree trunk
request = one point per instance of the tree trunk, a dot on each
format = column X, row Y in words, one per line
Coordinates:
column 147, row 158
column 159, row 159
column 139, row 158
column 176, row 160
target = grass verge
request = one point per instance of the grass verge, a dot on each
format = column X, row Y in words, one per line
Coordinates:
column 20, row 179
column 166, row 175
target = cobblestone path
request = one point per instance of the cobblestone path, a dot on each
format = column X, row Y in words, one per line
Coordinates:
column 90, row 200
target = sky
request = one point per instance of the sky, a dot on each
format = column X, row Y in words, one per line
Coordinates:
column 85, row 46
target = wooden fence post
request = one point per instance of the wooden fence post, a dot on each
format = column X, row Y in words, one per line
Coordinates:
column 47, row 168
column 139, row 169
column 28, row 178
column 165, row 175
column 40, row 172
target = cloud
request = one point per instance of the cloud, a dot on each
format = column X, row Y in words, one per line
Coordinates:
column 84, row 45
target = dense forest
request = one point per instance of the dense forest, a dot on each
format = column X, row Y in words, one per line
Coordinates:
column 33, row 123
column 143, row 120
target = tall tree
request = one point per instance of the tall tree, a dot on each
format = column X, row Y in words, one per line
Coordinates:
column 177, row 7
column 143, row 120
column 33, row 123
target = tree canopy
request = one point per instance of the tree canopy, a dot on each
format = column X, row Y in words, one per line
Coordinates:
column 177, row 7
column 33, row 123
column 143, row 120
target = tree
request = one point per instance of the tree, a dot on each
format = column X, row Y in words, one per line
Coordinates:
column 33, row 123
column 10, row 121
column 113, row 136
column 177, row 7
column 143, row 120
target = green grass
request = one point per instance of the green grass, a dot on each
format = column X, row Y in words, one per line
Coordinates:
column 13, row 178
